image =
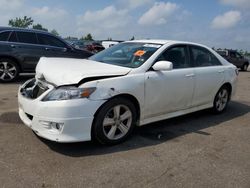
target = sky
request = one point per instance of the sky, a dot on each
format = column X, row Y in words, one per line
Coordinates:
column 216, row 23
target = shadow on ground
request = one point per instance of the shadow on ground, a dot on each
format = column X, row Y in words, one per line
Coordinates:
column 20, row 80
column 156, row 133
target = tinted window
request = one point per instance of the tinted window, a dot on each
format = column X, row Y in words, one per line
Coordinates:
column 177, row 55
column 202, row 57
column 222, row 53
column 233, row 54
column 13, row 37
column 4, row 36
column 26, row 37
column 50, row 41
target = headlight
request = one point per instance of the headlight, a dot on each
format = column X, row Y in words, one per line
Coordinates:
column 67, row 93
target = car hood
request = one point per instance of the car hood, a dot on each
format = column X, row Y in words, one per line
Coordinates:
column 66, row 71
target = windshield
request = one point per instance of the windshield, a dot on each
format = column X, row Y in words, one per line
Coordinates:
column 128, row 54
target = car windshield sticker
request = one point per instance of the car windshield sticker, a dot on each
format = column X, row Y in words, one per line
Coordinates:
column 152, row 45
column 139, row 53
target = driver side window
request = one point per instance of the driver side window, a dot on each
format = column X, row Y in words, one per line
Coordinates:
column 177, row 55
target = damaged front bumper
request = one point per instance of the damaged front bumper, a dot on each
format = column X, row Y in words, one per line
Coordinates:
column 60, row 121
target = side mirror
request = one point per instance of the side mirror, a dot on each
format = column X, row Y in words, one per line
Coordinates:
column 163, row 66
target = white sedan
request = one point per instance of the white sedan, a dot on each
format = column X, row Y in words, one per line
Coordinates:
column 130, row 84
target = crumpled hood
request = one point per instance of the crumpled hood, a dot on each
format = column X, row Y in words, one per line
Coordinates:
column 66, row 71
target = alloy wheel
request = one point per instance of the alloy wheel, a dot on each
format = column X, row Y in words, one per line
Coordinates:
column 8, row 71
column 221, row 100
column 117, row 122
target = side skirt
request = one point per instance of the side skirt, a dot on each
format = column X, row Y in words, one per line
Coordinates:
column 174, row 114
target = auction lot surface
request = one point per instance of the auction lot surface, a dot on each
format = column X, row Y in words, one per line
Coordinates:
column 196, row 150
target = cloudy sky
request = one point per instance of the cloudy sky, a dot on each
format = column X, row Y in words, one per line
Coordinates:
column 216, row 23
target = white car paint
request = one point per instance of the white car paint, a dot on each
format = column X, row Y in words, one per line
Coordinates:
column 108, row 44
column 160, row 94
column 60, row 72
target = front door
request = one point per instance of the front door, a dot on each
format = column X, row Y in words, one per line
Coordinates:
column 169, row 91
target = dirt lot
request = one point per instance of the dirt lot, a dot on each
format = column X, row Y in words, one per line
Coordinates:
column 197, row 150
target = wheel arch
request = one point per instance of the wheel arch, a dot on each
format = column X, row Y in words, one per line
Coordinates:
column 131, row 98
column 125, row 96
column 13, row 59
column 229, row 87
column 246, row 63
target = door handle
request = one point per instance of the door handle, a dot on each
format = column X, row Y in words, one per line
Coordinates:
column 13, row 46
column 190, row 75
column 47, row 49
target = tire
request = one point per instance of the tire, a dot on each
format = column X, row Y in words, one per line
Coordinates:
column 114, row 122
column 221, row 100
column 9, row 70
column 244, row 67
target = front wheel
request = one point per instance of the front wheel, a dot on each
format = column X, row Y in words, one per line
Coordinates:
column 221, row 100
column 9, row 70
column 114, row 122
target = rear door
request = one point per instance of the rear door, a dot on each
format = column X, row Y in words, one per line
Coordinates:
column 209, row 75
column 54, row 47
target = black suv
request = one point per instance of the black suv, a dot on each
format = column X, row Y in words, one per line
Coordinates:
column 235, row 58
column 21, row 49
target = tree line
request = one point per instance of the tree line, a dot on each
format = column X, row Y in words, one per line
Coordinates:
column 28, row 22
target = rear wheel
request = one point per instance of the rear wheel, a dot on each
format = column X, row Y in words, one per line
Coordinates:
column 244, row 67
column 114, row 122
column 9, row 70
column 221, row 100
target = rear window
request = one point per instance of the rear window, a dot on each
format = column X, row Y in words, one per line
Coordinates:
column 50, row 41
column 27, row 37
column 4, row 35
column 203, row 58
column 13, row 37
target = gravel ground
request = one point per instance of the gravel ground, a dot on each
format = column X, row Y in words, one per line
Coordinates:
column 196, row 150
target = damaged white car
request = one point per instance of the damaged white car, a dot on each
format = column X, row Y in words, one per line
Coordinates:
column 130, row 84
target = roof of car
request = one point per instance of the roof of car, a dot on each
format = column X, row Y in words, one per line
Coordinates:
column 158, row 41
column 22, row 29
column 221, row 50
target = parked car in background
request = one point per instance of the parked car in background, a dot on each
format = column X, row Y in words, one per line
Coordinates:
column 235, row 58
column 92, row 46
column 21, row 49
column 130, row 84
column 109, row 43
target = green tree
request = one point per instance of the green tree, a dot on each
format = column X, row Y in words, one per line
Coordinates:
column 54, row 32
column 87, row 37
column 24, row 22
column 39, row 27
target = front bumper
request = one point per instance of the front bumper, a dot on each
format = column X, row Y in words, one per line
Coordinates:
column 73, row 117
